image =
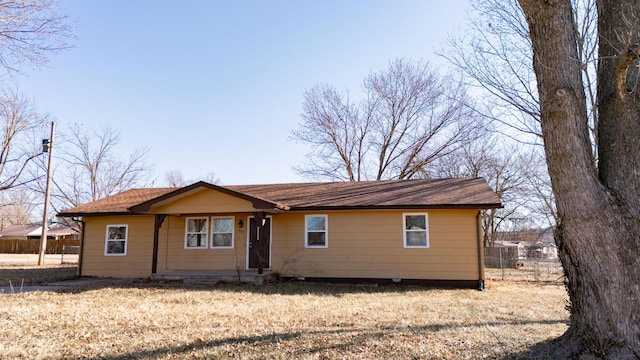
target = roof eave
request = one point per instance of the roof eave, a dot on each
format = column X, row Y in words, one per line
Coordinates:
column 94, row 213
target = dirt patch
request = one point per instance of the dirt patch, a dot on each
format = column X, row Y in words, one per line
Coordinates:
column 20, row 275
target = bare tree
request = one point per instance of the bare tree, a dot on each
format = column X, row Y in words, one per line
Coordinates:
column 500, row 64
column 18, row 120
column 504, row 169
column 409, row 117
column 16, row 206
column 30, row 30
column 89, row 167
column 598, row 235
column 338, row 135
column 495, row 55
column 537, row 193
column 174, row 178
column 210, row 177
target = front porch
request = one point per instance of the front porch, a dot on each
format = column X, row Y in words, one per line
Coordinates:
column 217, row 276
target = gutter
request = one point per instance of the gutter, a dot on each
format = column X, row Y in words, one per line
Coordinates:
column 480, row 253
column 396, row 207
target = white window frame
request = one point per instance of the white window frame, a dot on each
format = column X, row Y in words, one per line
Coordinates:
column 326, row 232
column 107, row 240
column 233, row 227
column 405, row 230
column 186, row 233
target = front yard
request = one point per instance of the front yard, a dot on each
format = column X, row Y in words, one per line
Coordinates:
column 281, row 321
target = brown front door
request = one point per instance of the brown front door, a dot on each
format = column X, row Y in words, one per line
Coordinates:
column 259, row 243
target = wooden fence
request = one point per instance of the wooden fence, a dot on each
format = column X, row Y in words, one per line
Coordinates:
column 32, row 246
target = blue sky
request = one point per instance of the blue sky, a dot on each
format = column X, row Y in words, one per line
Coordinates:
column 216, row 86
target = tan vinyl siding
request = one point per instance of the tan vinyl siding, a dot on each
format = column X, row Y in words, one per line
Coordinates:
column 361, row 244
column 369, row 244
column 137, row 261
column 172, row 254
column 203, row 202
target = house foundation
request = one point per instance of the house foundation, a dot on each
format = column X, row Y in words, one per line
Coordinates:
column 215, row 277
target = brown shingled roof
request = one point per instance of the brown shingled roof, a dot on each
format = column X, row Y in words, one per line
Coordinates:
column 390, row 193
column 116, row 204
column 426, row 193
column 18, row 230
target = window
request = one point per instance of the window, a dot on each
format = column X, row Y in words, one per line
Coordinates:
column 416, row 231
column 116, row 242
column 222, row 232
column 315, row 231
column 196, row 233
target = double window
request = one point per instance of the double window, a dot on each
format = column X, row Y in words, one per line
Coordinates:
column 316, row 233
column 116, row 240
column 416, row 230
column 197, row 232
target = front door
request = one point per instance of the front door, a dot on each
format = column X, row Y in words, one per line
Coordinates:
column 259, row 243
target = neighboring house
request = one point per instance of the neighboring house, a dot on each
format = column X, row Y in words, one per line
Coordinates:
column 504, row 254
column 25, row 239
column 400, row 230
column 18, row 232
column 532, row 243
column 544, row 247
column 523, row 238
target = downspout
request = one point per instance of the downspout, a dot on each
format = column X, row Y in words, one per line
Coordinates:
column 82, row 226
column 480, row 252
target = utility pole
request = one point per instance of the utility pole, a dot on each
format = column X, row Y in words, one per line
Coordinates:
column 47, row 147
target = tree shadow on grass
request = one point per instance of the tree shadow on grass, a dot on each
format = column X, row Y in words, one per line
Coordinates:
column 539, row 351
column 357, row 337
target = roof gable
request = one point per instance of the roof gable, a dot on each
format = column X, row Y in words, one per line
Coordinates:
column 204, row 200
column 192, row 189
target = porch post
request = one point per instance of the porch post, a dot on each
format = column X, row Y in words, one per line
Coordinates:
column 156, row 234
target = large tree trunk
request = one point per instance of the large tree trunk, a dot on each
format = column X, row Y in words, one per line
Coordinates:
column 599, row 231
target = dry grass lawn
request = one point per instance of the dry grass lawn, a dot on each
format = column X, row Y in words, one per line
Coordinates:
column 281, row 321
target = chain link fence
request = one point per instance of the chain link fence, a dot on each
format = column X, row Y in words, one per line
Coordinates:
column 508, row 264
